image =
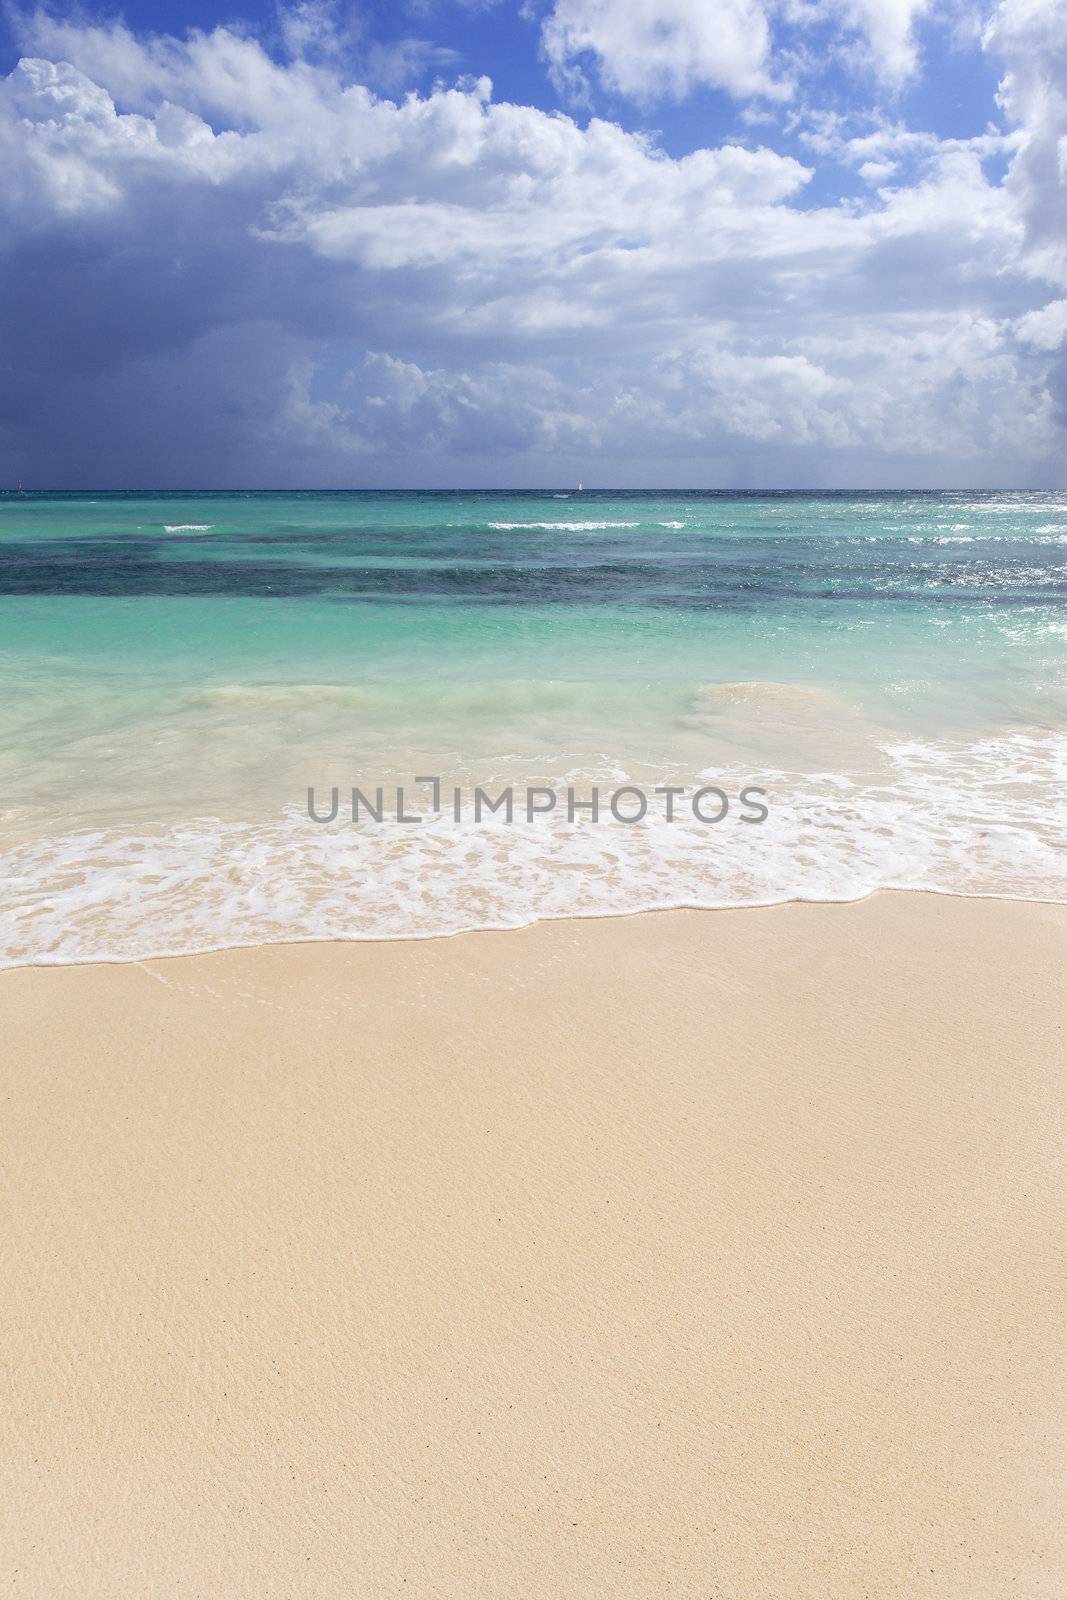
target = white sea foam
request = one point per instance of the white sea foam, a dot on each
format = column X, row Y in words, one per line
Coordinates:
column 1051, row 533
column 188, row 527
column 979, row 818
column 563, row 527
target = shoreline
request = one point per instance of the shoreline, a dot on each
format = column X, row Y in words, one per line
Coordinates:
column 653, row 1253
column 402, row 939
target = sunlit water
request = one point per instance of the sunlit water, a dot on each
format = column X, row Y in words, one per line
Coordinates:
column 178, row 670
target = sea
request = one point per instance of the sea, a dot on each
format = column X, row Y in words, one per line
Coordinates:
column 884, row 676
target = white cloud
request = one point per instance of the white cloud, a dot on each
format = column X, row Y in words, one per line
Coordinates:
column 884, row 33
column 318, row 28
column 1030, row 37
column 1046, row 327
column 649, row 48
column 451, row 279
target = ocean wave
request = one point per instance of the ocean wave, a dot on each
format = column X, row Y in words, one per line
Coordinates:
column 188, row 527
column 976, row 818
column 562, row 527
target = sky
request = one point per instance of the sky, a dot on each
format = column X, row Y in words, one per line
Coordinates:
column 473, row 243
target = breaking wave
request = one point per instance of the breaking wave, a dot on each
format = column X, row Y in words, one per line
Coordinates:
column 979, row 818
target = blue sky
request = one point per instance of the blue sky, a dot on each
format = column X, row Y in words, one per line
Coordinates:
column 645, row 242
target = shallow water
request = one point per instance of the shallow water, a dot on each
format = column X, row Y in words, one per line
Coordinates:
column 177, row 671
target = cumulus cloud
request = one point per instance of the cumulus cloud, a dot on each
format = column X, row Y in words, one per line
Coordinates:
column 652, row 49
column 1030, row 38
column 648, row 48
column 879, row 34
column 236, row 269
column 1046, row 327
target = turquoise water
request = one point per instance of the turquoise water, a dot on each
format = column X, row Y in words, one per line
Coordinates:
column 177, row 670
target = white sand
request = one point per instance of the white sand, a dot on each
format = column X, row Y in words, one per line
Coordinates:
column 692, row 1255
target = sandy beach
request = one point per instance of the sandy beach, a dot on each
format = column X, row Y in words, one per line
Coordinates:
column 692, row 1254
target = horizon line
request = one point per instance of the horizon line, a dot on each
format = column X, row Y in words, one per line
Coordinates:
column 664, row 489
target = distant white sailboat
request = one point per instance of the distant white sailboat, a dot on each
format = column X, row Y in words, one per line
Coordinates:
column 579, row 485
